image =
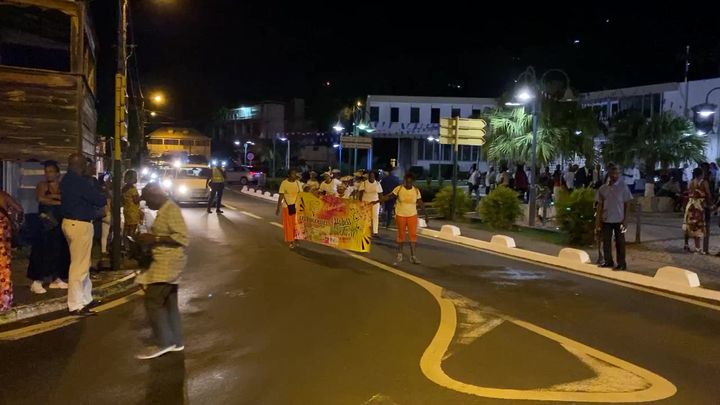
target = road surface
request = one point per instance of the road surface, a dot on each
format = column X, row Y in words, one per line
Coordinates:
column 266, row 325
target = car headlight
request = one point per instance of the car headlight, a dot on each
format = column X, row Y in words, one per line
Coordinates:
column 145, row 171
column 182, row 189
column 153, row 176
column 167, row 183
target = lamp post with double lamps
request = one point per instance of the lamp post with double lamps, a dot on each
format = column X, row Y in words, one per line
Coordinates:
column 339, row 129
column 287, row 153
column 532, row 90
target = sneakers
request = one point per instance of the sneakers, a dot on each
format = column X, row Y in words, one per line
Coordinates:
column 414, row 260
column 177, row 348
column 37, row 288
column 58, row 284
column 398, row 259
column 154, row 351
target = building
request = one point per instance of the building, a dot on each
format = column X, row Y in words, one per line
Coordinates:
column 402, row 125
column 177, row 142
column 47, row 89
column 654, row 98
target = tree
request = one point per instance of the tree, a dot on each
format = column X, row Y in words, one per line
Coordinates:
column 665, row 139
column 564, row 129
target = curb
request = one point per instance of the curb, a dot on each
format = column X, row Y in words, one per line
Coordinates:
column 23, row 312
column 663, row 281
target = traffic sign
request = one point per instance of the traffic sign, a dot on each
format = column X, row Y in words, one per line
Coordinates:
column 356, row 142
column 463, row 123
column 462, row 131
column 250, row 156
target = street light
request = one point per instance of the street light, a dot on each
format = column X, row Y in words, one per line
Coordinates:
column 158, row 98
column 432, row 140
column 237, row 143
column 704, row 119
column 338, row 126
column 532, row 91
column 287, row 153
column 339, row 148
column 153, row 114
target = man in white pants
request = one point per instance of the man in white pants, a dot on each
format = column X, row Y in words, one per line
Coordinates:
column 80, row 203
column 370, row 191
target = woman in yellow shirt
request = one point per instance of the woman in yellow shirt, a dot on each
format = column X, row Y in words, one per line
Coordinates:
column 289, row 192
column 406, row 215
column 131, row 204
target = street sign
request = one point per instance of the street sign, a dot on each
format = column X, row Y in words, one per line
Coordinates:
column 463, row 123
column 463, row 131
column 356, row 142
column 250, row 156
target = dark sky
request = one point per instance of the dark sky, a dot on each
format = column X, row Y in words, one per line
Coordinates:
column 212, row 53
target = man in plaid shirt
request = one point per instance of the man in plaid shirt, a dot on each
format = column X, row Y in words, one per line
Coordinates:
column 168, row 240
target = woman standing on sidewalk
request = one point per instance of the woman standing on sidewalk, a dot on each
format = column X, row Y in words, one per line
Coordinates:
column 9, row 208
column 694, row 221
column 50, row 255
column 131, row 205
column 289, row 191
column 370, row 191
column 406, row 215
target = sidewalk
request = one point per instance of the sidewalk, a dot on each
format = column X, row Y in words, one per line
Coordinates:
column 661, row 245
column 28, row 305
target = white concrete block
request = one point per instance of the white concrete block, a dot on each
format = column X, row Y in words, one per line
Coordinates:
column 244, row 188
column 449, row 231
column 422, row 223
column 503, row 240
column 258, row 191
column 677, row 276
column 276, row 196
column 267, row 193
column 575, row 255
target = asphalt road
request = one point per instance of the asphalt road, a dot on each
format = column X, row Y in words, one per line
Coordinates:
column 266, row 325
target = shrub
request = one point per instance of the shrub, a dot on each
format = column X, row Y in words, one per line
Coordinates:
column 441, row 202
column 272, row 185
column 427, row 192
column 501, row 208
column 576, row 215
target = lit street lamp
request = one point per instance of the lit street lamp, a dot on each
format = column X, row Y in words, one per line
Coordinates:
column 532, row 91
column 432, row 140
column 339, row 148
column 237, row 143
column 287, row 153
column 158, row 98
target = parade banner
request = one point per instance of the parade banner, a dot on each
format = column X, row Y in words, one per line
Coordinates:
column 334, row 221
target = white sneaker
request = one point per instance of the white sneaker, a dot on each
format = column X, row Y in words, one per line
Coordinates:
column 153, row 352
column 177, row 348
column 58, row 284
column 398, row 259
column 37, row 288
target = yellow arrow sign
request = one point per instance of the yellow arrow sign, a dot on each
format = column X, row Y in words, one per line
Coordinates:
column 462, row 141
column 463, row 133
column 463, row 123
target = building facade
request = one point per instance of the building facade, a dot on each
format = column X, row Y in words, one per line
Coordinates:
column 405, row 129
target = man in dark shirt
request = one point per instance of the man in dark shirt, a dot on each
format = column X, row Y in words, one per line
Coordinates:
column 388, row 184
column 80, row 203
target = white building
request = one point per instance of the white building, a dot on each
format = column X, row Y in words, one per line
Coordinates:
column 403, row 124
column 654, row 98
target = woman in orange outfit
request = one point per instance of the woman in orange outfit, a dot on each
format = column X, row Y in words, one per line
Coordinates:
column 289, row 192
column 406, row 215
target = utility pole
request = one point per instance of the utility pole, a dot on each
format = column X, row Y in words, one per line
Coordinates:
column 120, row 126
column 687, row 85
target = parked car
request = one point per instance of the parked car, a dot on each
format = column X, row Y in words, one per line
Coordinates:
column 187, row 184
column 243, row 174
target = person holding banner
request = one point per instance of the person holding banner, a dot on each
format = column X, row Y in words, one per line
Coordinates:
column 406, row 215
column 289, row 192
column 328, row 186
column 370, row 191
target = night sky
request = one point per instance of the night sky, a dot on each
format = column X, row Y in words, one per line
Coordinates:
column 212, row 53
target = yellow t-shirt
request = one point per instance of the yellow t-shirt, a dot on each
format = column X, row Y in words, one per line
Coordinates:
column 290, row 190
column 131, row 209
column 406, row 201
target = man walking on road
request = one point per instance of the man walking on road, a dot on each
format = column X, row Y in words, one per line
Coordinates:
column 81, row 200
column 217, row 185
column 388, row 183
column 613, row 198
column 168, row 240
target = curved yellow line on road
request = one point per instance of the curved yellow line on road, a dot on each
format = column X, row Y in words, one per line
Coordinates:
column 431, row 360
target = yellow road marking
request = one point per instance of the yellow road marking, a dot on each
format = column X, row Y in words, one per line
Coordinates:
column 431, row 360
column 636, row 287
column 251, row 215
column 43, row 327
column 230, row 206
column 276, row 224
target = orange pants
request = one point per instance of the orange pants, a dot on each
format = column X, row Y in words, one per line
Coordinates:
column 288, row 222
column 411, row 223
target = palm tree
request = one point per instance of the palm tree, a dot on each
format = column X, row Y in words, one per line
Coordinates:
column 665, row 139
column 564, row 129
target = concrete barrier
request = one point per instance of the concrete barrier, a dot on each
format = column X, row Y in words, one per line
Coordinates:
column 244, row 189
column 267, row 194
column 574, row 255
column 450, row 231
column 503, row 240
column 258, row 191
column 677, row 276
column 276, row 196
column 422, row 223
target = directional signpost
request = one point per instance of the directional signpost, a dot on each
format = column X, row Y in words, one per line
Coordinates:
column 356, row 142
column 460, row 131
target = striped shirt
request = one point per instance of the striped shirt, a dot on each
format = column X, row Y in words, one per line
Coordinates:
column 168, row 260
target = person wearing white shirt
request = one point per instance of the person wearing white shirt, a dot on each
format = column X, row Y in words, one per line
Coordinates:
column 630, row 175
column 370, row 191
column 686, row 176
column 328, row 186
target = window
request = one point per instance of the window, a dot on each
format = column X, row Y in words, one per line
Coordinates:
column 435, row 115
column 445, row 153
column 374, row 114
column 36, row 38
column 455, row 112
column 186, row 142
column 394, row 114
column 465, row 153
column 202, row 143
column 153, row 141
column 414, row 114
column 172, row 142
column 476, row 113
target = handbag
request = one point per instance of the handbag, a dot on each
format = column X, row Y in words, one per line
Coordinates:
column 291, row 207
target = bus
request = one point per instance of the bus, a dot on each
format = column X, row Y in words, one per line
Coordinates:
column 168, row 144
